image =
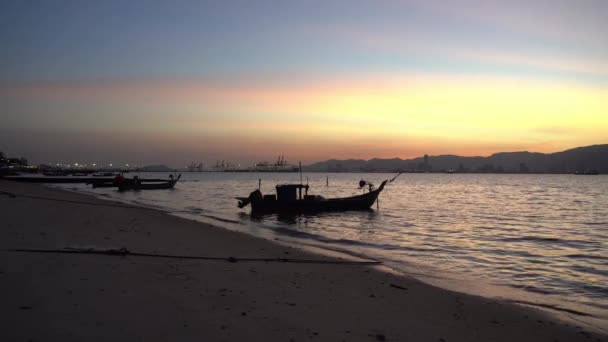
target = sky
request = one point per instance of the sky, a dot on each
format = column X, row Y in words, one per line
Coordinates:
column 171, row 82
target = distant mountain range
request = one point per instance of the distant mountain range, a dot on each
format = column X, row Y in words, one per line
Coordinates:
column 581, row 159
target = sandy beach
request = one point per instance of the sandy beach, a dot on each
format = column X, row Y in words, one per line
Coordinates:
column 89, row 297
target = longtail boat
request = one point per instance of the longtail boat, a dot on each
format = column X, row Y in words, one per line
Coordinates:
column 289, row 199
column 137, row 184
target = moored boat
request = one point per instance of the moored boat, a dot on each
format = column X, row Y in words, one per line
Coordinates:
column 136, row 184
column 105, row 174
column 289, row 198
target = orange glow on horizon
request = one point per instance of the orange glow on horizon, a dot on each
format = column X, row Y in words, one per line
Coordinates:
column 378, row 116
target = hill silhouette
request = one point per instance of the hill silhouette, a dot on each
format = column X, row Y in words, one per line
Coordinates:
column 579, row 159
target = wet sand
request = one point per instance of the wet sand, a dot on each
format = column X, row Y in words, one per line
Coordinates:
column 76, row 297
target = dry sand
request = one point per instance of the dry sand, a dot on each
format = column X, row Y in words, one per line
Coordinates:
column 72, row 297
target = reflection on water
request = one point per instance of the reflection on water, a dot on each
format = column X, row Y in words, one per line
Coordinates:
column 544, row 234
column 304, row 219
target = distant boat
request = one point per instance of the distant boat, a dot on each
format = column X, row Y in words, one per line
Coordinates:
column 55, row 173
column 104, row 174
column 289, row 199
column 112, row 182
column 137, row 184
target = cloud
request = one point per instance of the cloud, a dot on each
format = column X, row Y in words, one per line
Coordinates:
column 446, row 52
column 570, row 23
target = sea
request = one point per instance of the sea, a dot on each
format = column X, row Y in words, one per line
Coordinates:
column 537, row 240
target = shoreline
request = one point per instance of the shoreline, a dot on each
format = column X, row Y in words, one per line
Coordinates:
column 271, row 301
column 578, row 313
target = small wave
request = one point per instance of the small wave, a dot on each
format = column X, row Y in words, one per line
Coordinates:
column 495, row 218
column 193, row 210
column 532, row 288
column 586, row 256
column 147, row 205
column 561, row 287
column 541, row 239
column 221, row 219
column 507, row 252
column 348, row 242
column 599, row 291
column 539, row 261
column 589, row 270
column 552, row 307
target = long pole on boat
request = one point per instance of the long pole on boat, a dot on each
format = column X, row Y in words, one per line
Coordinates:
column 300, row 179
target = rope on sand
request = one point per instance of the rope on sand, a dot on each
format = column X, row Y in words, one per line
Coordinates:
column 12, row 195
column 125, row 252
column 9, row 194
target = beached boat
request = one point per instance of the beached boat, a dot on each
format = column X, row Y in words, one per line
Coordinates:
column 55, row 173
column 289, row 198
column 57, row 179
column 137, row 184
column 113, row 182
column 103, row 183
column 105, row 174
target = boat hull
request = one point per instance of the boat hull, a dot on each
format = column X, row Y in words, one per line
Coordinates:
column 57, row 180
column 130, row 184
column 111, row 184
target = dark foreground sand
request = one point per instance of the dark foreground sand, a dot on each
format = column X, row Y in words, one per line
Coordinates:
column 63, row 297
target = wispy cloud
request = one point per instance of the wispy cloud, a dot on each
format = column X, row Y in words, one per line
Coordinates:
column 448, row 53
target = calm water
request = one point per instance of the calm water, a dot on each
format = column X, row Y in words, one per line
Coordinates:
column 530, row 238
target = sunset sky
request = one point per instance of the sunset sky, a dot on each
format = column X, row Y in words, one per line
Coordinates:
column 179, row 81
